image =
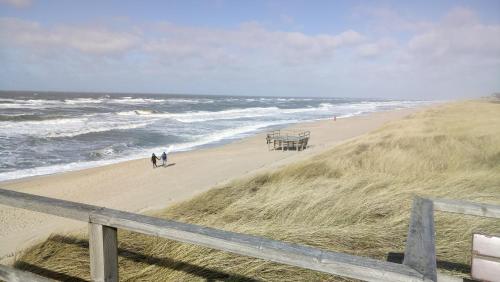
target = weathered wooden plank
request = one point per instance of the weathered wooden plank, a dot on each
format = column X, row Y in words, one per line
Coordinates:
column 10, row 274
column 465, row 207
column 103, row 247
column 420, row 251
column 47, row 205
column 311, row 258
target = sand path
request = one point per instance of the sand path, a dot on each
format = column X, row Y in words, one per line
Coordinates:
column 134, row 186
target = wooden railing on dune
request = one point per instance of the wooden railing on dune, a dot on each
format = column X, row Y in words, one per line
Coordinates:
column 419, row 260
column 288, row 140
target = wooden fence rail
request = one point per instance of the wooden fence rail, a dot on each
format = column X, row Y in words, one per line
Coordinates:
column 463, row 207
column 419, row 264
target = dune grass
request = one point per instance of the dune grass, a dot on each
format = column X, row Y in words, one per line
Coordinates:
column 355, row 198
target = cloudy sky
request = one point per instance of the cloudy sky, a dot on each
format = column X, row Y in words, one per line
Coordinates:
column 394, row 49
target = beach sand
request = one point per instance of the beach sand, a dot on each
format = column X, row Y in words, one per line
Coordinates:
column 134, row 186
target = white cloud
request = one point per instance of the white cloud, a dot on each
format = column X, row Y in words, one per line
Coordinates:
column 250, row 40
column 457, row 55
column 459, row 37
column 376, row 48
column 385, row 19
column 96, row 40
column 180, row 43
column 17, row 3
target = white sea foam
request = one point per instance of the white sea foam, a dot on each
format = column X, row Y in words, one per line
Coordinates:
column 44, row 170
column 202, row 116
column 80, row 101
column 226, row 114
column 97, row 128
column 7, row 100
column 43, row 103
column 66, row 127
column 189, row 101
column 135, row 101
column 198, row 141
column 29, row 104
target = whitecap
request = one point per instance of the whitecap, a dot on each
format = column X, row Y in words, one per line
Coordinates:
column 133, row 101
column 84, row 101
column 67, row 127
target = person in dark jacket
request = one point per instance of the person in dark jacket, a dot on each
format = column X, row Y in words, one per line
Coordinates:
column 153, row 160
column 164, row 159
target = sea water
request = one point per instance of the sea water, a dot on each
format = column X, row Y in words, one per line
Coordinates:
column 43, row 133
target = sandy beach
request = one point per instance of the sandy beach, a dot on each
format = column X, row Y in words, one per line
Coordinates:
column 134, row 186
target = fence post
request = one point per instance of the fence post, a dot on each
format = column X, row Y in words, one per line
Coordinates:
column 103, row 247
column 420, row 251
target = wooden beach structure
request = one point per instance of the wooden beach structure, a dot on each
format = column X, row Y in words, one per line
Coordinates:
column 287, row 140
column 419, row 256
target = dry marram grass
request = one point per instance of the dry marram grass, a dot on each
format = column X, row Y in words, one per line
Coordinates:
column 355, row 198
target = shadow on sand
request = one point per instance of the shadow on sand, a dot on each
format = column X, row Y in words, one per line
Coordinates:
column 205, row 273
column 441, row 264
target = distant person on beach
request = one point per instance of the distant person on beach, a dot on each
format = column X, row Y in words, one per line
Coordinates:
column 164, row 158
column 153, row 160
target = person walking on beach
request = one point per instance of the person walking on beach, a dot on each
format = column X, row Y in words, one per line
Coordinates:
column 153, row 160
column 164, row 158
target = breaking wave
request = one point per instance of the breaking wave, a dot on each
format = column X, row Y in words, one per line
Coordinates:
column 66, row 127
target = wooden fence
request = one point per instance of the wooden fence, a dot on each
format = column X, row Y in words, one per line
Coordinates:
column 419, row 263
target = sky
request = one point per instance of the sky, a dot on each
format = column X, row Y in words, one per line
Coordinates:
column 383, row 49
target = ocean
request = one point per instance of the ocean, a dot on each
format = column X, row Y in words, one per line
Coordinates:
column 44, row 133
